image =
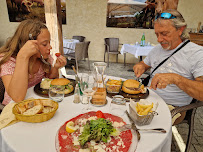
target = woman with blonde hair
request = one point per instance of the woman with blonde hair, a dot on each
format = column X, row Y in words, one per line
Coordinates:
column 21, row 65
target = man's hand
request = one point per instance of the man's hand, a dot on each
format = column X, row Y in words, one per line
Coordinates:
column 140, row 68
column 161, row 80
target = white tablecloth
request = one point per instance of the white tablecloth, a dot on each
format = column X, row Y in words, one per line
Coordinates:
column 69, row 43
column 136, row 50
column 40, row 137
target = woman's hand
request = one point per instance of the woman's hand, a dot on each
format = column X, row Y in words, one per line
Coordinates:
column 29, row 49
column 60, row 62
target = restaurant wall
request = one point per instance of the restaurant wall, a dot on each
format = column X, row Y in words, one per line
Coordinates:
column 88, row 18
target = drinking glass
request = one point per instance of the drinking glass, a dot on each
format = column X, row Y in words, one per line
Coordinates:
column 56, row 92
column 118, row 105
column 84, row 78
column 88, row 87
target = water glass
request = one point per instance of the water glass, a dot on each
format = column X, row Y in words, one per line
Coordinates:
column 137, row 43
column 88, row 87
column 84, row 79
column 56, row 92
column 148, row 44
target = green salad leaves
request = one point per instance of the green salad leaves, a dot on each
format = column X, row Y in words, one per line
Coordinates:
column 98, row 130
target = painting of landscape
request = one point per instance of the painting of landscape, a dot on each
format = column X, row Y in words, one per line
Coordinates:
column 129, row 14
column 136, row 13
column 20, row 10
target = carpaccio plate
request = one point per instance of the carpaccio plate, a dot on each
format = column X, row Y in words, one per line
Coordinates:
column 127, row 140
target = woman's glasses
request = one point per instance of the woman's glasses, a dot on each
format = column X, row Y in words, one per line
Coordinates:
column 165, row 16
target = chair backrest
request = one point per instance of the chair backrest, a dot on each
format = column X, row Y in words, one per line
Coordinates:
column 2, row 90
column 79, row 50
column 86, row 46
column 113, row 44
column 80, row 38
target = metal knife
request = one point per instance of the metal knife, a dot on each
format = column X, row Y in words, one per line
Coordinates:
column 133, row 126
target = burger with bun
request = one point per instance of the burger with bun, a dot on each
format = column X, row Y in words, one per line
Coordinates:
column 131, row 86
column 63, row 82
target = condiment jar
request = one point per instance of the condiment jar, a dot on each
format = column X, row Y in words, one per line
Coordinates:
column 76, row 94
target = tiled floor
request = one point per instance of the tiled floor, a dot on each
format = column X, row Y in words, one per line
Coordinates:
column 118, row 69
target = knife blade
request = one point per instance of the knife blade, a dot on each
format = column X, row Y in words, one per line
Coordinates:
column 133, row 125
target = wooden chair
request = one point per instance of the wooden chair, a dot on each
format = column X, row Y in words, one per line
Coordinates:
column 80, row 38
column 111, row 47
column 2, row 91
column 86, row 47
column 189, row 118
column 78, row 54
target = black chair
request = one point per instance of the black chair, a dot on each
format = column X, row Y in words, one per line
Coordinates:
column 80, row 38
column 111, row 47
column 78, row 54
column 2, row 91
column 189, row 118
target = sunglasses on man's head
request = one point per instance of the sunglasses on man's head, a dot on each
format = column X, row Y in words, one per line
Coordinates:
column 165, row 16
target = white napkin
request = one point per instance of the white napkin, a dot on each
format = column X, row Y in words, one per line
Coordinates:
column 7, row 117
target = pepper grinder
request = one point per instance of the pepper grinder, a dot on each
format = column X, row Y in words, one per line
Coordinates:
column 76, row 94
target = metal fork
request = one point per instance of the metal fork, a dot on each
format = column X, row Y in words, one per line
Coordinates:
column 42, row 58
column 128, row 126
column 139, row 80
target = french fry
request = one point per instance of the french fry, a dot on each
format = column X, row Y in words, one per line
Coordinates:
column 144, row 106
column 143, row 109
column 136, row 108
column 147, row 110
column 114, row 82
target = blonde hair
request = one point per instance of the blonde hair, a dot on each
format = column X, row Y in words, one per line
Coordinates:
column 177, row 22
column 21, row 36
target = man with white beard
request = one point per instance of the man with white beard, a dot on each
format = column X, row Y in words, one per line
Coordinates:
column 180, row 78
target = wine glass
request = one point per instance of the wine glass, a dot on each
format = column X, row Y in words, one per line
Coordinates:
column 88, row 87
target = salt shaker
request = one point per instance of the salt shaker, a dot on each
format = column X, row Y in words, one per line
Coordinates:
column 76, row 94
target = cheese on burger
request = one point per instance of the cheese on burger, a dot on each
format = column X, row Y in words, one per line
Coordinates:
column 130, row 86
column 63, row 82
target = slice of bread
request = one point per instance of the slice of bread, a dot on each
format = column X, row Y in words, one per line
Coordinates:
column 45, row 84
column 30, row 104
column 47, row 103
column 47, row 109
column 21, row 108
column 35, row 110
column 38, row 102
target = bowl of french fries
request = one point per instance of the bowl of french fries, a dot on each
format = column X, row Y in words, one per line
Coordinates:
column 113, row 86
column 143, row 112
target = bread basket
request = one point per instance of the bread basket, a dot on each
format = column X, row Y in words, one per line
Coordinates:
column 141, row 119
column 41, row 117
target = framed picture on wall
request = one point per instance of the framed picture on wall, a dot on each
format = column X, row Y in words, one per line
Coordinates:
column 19, row 10
column 136, row 13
